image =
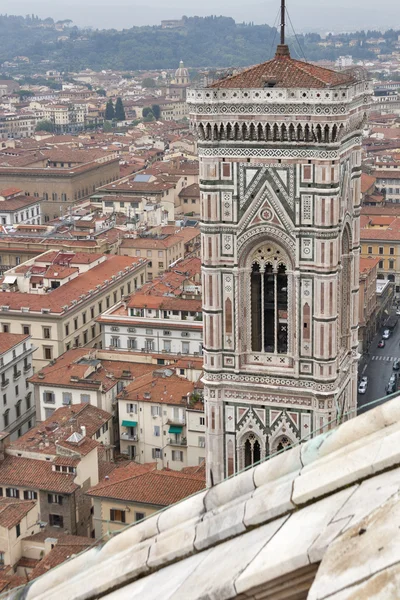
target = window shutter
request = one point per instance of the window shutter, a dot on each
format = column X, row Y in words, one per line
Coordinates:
column 112, row 515
column 60, row 500
column 1, row 491
column 49, row 499
column 26, row 495
column 122, row 516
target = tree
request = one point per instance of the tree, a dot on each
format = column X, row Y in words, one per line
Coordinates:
column 24, row 94
column 148, row 82
column 155, row 109
column 147, row 114
column 110, row 113
column 107, row 127
column 45, row 126
column 119, row 110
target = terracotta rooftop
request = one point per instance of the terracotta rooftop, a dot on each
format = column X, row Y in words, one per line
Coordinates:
column 164, row 303
column 34, row 475
column 63, row 295
column 145, row 485
column 286, row 72
column 154, row 387
column 13, row 510
column 152, row 242
column 66, row 547
column 9, row 340
column 57, row 429
column 366, row 264
column 76, row 364
column 367, row 181
column 18, row 202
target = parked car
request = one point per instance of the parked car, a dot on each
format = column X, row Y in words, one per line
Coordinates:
column 362, row 388
column 396, row 364
column 391, row 387
column 364, row 379
column 381, row 344
column 398, row 312
column 386, row 334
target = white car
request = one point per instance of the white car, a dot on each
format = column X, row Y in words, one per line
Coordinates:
column 364, row 379
column 386, row 334
column 362, row 388
column 398, row 312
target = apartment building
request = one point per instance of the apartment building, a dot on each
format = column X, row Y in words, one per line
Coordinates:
column 145, row 490
column 18, row 125
column 388, row 182
column 380, row 238
column 55, row 464
column 154, row 419
column 88, row 376
column 189, row 200
column 367, row 302
column 18, row 209
column 18, row 408
column 18, row 519
column 62, row 186
column 57, row 296
column 160, row 324
column 161, row 250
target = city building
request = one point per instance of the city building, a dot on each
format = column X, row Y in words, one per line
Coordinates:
column 367, row 325
column 161, row 418
column 380, row 238
column 18, row 209
column 280, row 167
column 55, row 463
column 63, row 184
column 160, row 250
column 56, row 297
column 88, row 376
column 388, row 182
column 18, row 518
column 18, row 407
column 133, row 492
column 314, row 522
column 159, row 324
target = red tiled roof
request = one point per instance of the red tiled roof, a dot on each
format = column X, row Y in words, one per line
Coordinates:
column 286, row 72
column 9, row 340
column 366, row 264
column 13, row 510
column 58, row 428
column 164, row 390
column 164, row 303
column 35, row 474
column 66, row 546
column 64, row 294
column 145, row 485
column 367, row 181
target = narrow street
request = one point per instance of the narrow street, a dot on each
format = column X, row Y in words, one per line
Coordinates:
column 379, row 368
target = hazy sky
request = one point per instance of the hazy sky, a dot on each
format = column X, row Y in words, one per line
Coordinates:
column 323, row 15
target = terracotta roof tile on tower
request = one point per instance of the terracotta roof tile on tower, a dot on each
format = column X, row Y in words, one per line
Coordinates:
column 285, row 72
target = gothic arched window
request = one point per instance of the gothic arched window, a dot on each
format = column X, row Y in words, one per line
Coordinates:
column 269, row 301
column 345, row 291
column 252, row 451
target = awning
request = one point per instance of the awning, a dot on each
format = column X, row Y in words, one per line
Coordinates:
column 129, row 423
column 175, row 429
column 10, row 279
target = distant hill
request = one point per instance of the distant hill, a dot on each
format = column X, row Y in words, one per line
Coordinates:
column 200, row 42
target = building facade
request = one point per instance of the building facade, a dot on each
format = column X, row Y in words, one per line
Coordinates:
column 18, row 407
column 280, row 165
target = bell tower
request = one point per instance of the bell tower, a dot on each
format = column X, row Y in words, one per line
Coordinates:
column 280, row 164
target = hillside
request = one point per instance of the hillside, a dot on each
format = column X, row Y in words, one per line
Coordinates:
column 200, row 42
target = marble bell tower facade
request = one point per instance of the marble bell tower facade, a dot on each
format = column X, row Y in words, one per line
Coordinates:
column 280, row 163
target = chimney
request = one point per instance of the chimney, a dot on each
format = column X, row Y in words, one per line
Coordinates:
column 83, row 430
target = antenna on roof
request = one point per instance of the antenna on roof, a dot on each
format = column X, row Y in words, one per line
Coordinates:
column 283, row 15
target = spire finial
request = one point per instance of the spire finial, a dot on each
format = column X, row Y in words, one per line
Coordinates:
column 283, row 10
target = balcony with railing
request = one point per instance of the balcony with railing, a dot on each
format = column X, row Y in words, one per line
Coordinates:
column 27, row 368
column 17, row 375
column 4, row 383
column 129, row 437
column 177, row 441
column 172, row 420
